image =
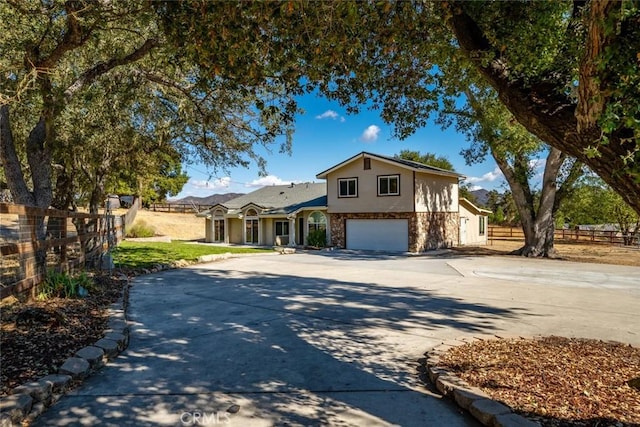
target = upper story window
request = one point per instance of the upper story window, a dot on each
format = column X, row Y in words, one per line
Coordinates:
column 367, row 163
column 389, row 185
column 348, row 187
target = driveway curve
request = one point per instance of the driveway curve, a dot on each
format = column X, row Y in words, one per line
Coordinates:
column 331, row 338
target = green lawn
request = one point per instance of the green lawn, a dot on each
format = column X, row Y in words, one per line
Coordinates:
column 146, row 254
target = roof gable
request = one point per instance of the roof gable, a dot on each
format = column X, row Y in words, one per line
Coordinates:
column 280, row 199
column 407, row 164
column 473, row 208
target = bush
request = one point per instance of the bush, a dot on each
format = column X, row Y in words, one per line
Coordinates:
column 317, row 238
column 141, row 229
column 62, row 285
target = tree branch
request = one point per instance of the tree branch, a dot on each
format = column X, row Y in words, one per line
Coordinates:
column 104, row 67
column 532, row 105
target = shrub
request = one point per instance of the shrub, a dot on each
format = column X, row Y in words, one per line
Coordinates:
column 141, row 229
column 317, row 238
column 63, row 285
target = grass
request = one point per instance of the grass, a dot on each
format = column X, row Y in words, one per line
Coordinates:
column 147, row 254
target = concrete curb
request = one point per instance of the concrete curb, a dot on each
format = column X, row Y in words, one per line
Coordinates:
column 27, row 401
column 487, row 411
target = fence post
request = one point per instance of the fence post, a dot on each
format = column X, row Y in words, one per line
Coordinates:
column 63, row 247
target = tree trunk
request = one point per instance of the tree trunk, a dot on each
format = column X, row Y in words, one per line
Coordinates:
column 538, row 225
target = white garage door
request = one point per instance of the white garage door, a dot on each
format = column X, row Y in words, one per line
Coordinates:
column 378, row 234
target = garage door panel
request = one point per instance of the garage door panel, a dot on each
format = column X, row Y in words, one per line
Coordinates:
column 378, row 234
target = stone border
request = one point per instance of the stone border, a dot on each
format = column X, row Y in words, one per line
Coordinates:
column 27, row 401
column 486, row 410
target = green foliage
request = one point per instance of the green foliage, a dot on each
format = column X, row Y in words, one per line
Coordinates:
column 430, row 159
column 141, row 229
column 147, row 254
column 503, row 208
column 63, row 285
column 593, row 202
column 317, row 238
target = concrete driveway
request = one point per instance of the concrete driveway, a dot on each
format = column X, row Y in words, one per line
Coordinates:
column 331, row 338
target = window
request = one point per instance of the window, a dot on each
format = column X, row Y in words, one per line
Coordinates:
column 482, row 225
column 218, row 226
column 218, row 230
column 348, row 187
column 317, row 221
column 282, row 228
column 367, row 163
column 389, row 185
column 251, row 233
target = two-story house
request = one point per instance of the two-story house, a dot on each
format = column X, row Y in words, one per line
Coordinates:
column 369, row 202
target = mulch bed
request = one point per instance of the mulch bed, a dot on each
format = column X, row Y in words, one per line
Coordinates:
column 38, row 336
column 555, row 381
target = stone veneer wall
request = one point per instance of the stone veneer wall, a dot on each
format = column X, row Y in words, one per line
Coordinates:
column 427, row 230
column 435, row 230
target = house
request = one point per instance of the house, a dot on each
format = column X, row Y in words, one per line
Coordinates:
column 368, row 202
column 273, row 215
column 473, row 223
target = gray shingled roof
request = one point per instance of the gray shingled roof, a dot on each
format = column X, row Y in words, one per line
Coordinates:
column 402, row 162
column 282, row 199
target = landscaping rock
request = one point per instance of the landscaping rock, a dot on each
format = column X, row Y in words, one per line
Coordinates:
column 16, row 406
column 513, row 420
column 486, row 410
column 93, row 355
column 76, row 367
column 435, row 372
column 58, row 382
column 446, row 383
column 121, row 339
column 39, row 390
column 37, row 409
column 110, row 347
column 117, row 325
column 466, row 396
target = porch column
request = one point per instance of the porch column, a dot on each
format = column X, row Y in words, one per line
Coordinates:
column 292, row 230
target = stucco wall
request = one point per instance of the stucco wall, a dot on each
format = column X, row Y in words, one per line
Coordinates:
column 435, row 193
column 368, row 199
column 427, row 230
column 236, row 231
column 473, row 237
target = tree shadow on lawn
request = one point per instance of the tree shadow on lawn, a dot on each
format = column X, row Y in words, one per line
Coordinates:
column 289, row 350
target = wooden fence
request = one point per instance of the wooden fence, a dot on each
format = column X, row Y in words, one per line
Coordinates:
column 63, row 240
column 179, row 207
column 497, row 232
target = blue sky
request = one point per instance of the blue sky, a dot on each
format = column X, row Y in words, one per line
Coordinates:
column 325, row 136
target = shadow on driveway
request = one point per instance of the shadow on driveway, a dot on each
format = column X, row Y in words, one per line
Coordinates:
column 288, row 349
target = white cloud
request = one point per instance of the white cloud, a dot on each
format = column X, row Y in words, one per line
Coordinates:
column 268, row 180
column 475, row 187
column 487, row 177
column 329, row 114
column 220, row 183
column 537, row 163
column 370, row 134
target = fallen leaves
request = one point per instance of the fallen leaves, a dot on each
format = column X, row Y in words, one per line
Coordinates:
column 38, row 336
column 556, row 381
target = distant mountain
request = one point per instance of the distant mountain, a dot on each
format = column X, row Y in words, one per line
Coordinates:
column 482, row 196
column 214, row 199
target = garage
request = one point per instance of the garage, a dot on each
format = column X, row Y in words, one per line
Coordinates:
column 378, row 234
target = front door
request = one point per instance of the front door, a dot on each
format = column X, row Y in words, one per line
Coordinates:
column 463, row 230
column 251, row 231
